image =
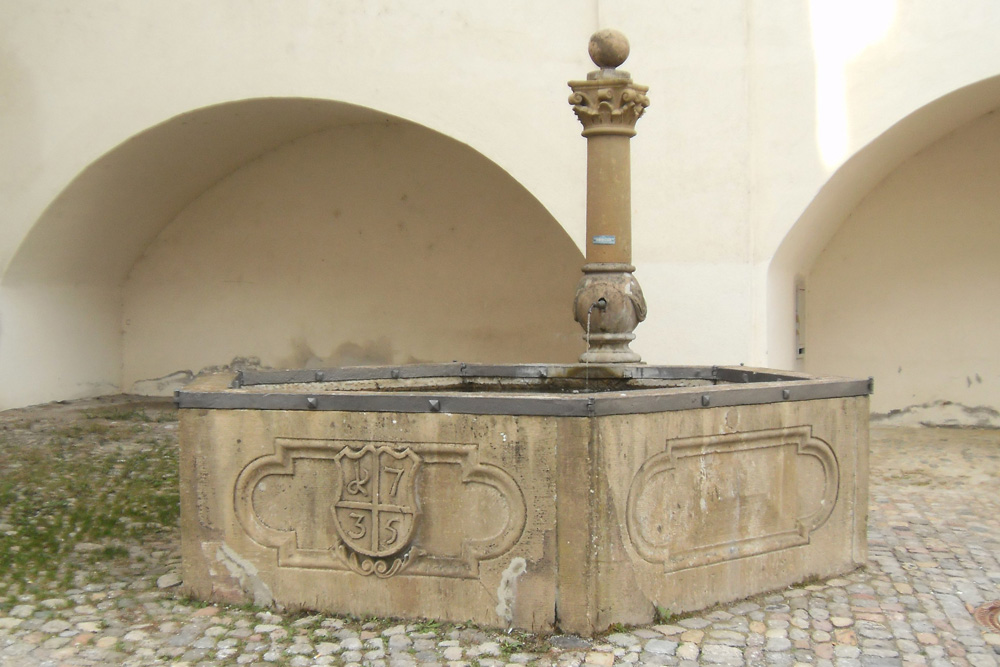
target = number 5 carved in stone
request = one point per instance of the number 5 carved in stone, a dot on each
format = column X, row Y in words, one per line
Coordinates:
column 390, row 526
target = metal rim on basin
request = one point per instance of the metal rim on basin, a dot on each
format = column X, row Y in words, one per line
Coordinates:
column 728, row 386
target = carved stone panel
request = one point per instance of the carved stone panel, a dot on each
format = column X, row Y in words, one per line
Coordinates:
column 379, row 508
column 715, row 498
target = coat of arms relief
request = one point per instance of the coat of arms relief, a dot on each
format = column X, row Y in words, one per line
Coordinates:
column 377, row 508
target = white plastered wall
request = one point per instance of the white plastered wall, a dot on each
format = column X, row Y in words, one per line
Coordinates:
column 82, row 78
column 376, row 243
column 907, row 289
column 733, row 194
column 691, row 177
column 374, row 240
column 900, row 75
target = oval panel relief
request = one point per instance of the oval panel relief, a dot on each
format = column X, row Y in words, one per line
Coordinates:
column 710, row 499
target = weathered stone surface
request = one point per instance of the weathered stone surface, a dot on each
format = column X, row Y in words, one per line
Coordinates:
column 600, row 659
column 715, row 654
column 450, row 516
column 55, row 625
column 569, row 642
column 661, row 646
column 22, row 610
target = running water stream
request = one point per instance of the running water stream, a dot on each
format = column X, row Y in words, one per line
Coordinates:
column 600, row 304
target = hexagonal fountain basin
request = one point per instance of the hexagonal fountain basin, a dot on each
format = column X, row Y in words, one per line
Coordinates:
column 537, row 496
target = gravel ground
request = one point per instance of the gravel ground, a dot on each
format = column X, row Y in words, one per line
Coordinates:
column 89, row 561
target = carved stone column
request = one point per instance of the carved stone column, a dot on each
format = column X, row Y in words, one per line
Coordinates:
column 609, row 302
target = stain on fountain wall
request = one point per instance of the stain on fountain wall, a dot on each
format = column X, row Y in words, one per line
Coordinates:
column 906, row 291
column 373, row 243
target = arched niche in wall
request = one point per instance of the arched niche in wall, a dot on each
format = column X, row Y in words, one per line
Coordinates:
column 290, row 231
column 896, row 261
column 907, row 289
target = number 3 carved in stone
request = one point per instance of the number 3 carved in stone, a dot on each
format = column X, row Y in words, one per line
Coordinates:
column 359, row 526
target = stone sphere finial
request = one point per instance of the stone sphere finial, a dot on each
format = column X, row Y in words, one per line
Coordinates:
column 608, row 48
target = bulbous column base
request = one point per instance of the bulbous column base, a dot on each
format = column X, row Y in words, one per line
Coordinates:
column 610, row 348
column 609, row 305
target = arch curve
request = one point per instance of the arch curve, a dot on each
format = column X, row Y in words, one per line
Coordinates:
column 295, row 231
column 98, row 225
column 846, row 188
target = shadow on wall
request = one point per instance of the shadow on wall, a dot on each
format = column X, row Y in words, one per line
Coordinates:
column 373, row 353
column 380, row 242
column 305, row 232
column 895, row 257
column 842, row 193
column 906, row 290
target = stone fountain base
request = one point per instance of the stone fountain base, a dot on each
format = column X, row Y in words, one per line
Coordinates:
column 524, row 496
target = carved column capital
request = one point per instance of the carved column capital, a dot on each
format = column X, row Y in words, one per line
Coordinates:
column 608, row 105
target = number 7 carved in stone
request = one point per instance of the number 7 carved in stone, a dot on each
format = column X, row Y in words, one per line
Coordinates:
column 398, row 472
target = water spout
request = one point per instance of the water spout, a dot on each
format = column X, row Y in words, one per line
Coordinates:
column 601, row 304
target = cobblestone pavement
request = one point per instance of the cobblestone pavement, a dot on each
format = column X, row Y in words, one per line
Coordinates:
column 934, row 541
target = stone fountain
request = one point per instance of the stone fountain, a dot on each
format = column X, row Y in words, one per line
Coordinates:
column 536, row 496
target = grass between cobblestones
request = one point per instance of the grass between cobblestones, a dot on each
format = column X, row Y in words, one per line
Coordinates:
column 74, row 497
